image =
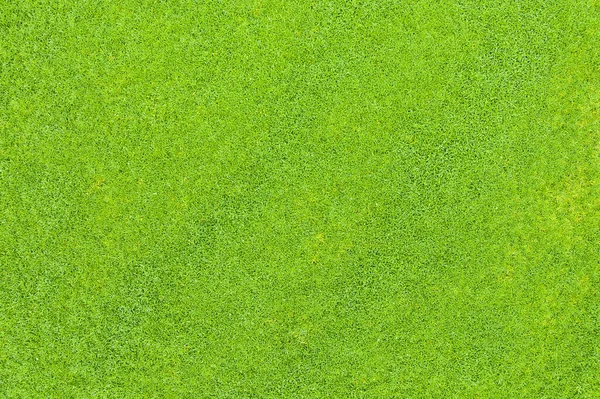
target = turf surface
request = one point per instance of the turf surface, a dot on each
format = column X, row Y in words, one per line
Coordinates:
column 311, row 199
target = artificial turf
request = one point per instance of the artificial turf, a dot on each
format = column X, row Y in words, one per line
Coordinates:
column 300, row 199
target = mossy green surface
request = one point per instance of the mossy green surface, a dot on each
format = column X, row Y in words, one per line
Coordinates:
column 312, row 199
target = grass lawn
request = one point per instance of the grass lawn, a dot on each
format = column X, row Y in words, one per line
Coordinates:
column 300, row 199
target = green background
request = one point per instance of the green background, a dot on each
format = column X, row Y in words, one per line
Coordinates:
column 302, row 199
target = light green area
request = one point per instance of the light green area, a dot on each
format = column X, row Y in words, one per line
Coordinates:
column 303, row 199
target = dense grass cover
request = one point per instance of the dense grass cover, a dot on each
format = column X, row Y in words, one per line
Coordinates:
column 302, row 199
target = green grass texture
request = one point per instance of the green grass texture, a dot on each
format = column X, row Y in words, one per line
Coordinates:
column 300, row 199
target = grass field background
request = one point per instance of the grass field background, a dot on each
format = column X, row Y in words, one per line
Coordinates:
column 312, row 199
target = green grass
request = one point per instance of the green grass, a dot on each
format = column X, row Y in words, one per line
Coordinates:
column 310, row 199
